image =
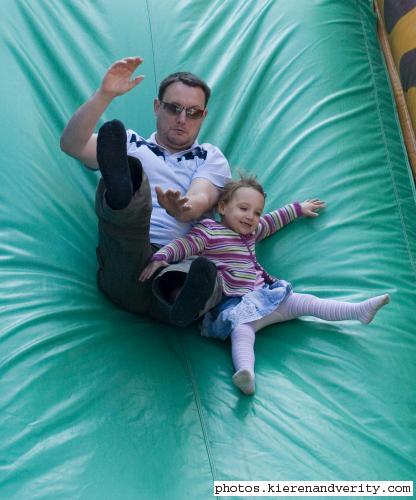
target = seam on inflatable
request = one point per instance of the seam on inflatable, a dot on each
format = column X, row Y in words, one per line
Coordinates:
column 383, row 132
column 198, row 405
column 152, row 44
column 195, row 392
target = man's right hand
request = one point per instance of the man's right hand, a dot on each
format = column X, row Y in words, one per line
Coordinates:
column 78, row 138
column 117, row 81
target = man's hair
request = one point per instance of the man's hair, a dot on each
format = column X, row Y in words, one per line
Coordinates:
column 248, row 181
column 187, row 79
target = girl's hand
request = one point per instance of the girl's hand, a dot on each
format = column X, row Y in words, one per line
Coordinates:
column 310, row 208
column 151, row 268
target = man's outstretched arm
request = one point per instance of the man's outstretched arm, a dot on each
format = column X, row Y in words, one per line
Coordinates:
column 78, row 138
column 201, row 197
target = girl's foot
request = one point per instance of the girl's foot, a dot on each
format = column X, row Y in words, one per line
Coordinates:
column 371, row 306
column 244, row 380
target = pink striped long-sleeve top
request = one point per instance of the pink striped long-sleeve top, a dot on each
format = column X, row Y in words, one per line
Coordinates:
column 233, row 253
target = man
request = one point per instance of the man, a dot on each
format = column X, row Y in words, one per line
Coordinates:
column 150, row 192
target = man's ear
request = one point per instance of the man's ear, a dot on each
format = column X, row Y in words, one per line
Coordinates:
column 156, row 105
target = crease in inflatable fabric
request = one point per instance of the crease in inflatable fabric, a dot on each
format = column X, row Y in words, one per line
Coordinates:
column 149, row 17
column 386, row 149
column 198, row 405
column 195, row 392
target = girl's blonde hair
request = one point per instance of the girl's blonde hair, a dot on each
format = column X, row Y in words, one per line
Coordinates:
column 248, row 181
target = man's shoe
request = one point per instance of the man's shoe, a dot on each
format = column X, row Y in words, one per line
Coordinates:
column 197, row 289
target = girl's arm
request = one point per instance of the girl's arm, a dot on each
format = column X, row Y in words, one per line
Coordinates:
column 191, row 244
column 275, row 220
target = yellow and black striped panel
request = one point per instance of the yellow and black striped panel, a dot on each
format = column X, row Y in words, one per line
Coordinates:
column 400, row 21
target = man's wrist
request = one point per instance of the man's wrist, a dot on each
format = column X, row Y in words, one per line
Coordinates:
column 104, row 96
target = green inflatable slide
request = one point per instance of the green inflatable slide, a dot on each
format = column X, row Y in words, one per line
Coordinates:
column 97, row 403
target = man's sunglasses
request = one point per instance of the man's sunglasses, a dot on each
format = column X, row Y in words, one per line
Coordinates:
column 175, row 109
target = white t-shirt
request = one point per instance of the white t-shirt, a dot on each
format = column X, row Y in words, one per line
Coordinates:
column 176, row 171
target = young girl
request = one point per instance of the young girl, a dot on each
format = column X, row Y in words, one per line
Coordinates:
column 252, row 298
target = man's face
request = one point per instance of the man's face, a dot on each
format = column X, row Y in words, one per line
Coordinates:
column 178, row 132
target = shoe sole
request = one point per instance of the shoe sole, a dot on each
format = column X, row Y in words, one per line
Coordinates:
column 198, row 288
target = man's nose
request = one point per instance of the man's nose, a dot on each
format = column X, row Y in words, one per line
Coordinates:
column 181, row 117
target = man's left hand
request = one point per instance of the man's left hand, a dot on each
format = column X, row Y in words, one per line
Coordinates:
column 173, row 202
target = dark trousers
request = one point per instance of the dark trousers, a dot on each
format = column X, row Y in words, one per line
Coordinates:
column 124, row 249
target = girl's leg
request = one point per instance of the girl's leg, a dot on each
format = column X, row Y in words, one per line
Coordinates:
column 242, row 351
column 299, row 304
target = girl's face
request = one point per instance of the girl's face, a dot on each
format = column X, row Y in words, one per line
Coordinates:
column 242, row 212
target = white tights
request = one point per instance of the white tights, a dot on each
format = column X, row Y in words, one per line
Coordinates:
column 296, row 305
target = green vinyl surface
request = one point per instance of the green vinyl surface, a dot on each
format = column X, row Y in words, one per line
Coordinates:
column 96, row 403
